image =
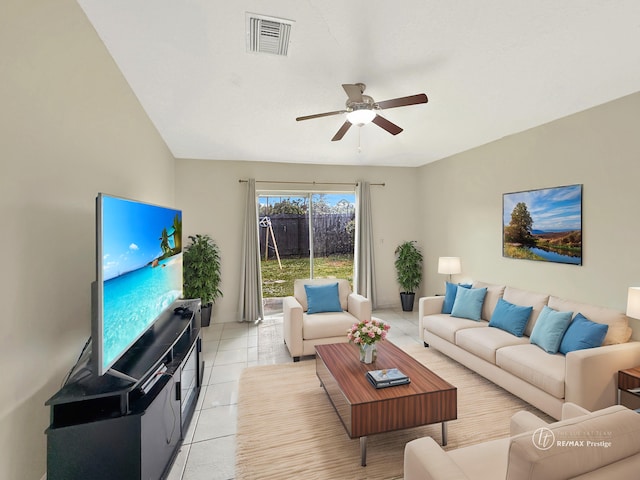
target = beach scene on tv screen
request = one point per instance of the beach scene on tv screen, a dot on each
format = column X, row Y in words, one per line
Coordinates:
column 142, row 269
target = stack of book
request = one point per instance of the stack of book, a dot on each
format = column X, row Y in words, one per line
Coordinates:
column 387, row 377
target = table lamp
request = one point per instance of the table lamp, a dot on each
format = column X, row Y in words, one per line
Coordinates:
column 449, row 265
column 633, row 302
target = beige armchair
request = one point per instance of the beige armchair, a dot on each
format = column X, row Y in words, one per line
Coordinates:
column 303, row 331
column 603, row 445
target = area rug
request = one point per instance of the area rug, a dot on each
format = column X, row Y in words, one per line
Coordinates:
column 287, row 428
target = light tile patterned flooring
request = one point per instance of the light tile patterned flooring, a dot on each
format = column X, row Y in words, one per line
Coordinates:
column 208, row 450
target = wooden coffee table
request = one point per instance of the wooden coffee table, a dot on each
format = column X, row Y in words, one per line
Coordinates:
column 365, row 410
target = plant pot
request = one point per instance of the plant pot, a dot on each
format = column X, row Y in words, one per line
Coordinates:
column 205, row 313
column 407, row 300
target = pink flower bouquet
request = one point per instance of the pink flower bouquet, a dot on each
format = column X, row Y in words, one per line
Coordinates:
column 368, row 332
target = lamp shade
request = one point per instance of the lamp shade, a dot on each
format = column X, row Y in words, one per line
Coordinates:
column 633, row 302
column 449, row 265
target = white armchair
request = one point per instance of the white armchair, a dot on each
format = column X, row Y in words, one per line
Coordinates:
column 604, row 444
column 303, row 331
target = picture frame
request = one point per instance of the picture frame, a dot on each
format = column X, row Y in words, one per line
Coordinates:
column 543, row 224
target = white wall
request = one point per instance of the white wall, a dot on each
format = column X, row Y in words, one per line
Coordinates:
column 70, row 127
column 461, row 200
column 213, row 202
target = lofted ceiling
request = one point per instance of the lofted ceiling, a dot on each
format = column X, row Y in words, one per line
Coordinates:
column 490, row 69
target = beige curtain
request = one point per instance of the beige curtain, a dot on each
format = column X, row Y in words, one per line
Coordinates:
column 364, row 275
column 251, row 309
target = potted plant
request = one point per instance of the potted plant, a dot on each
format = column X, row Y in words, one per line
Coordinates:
column 201, row 259
column 409, row 272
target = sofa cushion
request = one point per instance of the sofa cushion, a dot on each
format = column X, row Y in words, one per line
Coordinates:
column 535, row 366
column 582, row 333
column 565, row 457
column 483, row 342
column 510, row 318
column 468, row 303
column 450, row 295
column 322, row 298
column 299, row 293
column 325, row 325
column 550, row 328
column 619, row 330
column 525, row 298
column 445, row 326
column 494, row 292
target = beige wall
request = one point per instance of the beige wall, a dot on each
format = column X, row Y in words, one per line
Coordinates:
column 70, row 127
column 461, row 202
column 454, row 207
column 213, row 202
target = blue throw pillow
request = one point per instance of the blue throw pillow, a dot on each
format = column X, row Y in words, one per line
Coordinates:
column 510, row 318
column 450, row 295
column 468, row 303
column 583, row 333
column 549, row 329
column 323, row 298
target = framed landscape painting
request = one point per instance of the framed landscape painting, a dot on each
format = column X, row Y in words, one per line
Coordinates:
column 543, row 224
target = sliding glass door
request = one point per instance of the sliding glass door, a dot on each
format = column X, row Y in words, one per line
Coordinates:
column 305, row 235
column 333, row 226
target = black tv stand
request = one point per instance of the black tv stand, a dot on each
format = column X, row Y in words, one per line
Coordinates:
column 107, row 427
column 124, row 376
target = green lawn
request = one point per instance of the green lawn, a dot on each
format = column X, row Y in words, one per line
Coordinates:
column 279, row 283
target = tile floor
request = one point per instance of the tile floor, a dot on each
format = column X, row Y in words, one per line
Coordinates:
column 208, row 450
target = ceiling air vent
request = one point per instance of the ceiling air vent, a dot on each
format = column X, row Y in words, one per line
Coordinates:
column 268, row 34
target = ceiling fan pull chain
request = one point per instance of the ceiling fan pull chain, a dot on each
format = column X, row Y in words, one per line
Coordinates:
column 359, row 133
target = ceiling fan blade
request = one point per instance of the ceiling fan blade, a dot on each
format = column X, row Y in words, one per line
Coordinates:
column 385, row 124
column 343, row 129
column 318, row 115
column 403, row 101
column 354, row 92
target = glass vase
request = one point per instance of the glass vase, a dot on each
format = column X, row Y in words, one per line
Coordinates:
column 368, row 352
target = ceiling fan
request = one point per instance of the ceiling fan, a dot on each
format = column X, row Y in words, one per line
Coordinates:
column 361, row 109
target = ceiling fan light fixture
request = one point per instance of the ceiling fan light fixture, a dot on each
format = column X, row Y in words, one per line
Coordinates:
column 361, row 117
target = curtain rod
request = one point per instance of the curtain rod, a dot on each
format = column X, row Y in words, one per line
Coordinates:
column 311, row 183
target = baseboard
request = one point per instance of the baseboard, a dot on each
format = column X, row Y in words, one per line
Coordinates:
column 389, row 306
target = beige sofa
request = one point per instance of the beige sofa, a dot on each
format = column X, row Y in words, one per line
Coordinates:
column 303, row 331
column 601, row 445
column 585, row 377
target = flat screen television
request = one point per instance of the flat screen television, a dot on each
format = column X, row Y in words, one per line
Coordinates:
column 139, row 274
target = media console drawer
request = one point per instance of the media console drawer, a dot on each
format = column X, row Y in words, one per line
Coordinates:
column 129, row 447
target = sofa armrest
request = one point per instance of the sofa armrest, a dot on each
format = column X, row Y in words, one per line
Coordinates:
column 425, row 460
column 591, row 374
column 359, row 306
column 524, row 421
column 292, row 325
column 571, row 410
column 428, row 306
column 622, row 427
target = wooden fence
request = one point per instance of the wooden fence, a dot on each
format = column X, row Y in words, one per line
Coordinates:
column 333, row 234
